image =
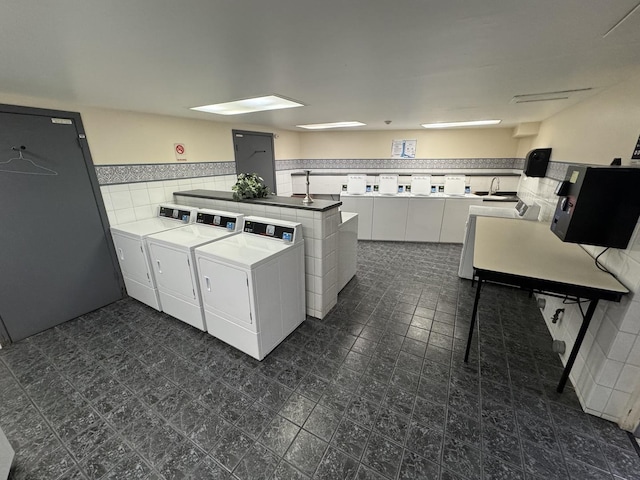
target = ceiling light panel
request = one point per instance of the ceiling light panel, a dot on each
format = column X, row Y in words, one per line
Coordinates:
column 472, row 123
column 249, row 105
column 322, row 126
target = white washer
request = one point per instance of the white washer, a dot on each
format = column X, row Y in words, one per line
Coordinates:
column 131, row 248
column 173, row 260
column 253, row 285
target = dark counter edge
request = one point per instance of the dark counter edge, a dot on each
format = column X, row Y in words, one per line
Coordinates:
column 272, row 201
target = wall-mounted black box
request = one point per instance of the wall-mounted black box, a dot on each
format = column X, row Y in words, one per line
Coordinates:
column 599, row 206
column 536, row 162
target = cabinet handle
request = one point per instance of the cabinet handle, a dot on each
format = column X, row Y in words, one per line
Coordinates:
column 159, row 267
column 208, row 283
column 121, row 254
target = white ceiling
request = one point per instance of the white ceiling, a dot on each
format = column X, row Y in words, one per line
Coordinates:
column 409, row 61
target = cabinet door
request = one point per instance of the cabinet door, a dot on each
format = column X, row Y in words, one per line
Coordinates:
column 225, row 291
column 173, row 271
column 456, row 211
column 389, row 218
column 424, row 219
column 132, row 258
column 363, row 206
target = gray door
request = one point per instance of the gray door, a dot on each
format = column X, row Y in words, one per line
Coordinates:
column 254, row 154
column 56, row 260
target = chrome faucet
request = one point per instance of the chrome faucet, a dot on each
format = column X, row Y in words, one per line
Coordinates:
column 493, row 190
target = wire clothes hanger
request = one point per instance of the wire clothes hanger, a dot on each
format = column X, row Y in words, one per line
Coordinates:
column 24, row 166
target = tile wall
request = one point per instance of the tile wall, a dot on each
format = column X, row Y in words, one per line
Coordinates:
column 607, row 369
column 128, row 202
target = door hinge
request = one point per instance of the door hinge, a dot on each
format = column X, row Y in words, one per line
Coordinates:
column 188, row 263
column 247, row 282
column 194, row 293
column 141, row 249
column 250, row 316
column 148, row 277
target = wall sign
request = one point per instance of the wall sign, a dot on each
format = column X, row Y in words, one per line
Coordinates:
column 403, row 148
column 179, row 149
column 636, row 151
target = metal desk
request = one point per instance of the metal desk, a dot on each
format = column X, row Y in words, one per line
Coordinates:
column 528, row 255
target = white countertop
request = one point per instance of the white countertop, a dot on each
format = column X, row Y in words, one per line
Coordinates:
column 412, row 195
column 530, row 249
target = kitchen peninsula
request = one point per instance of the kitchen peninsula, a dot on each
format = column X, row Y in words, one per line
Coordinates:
column 320, row 224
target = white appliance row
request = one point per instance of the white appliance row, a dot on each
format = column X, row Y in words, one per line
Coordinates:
column 420, row 185
column 241, row 279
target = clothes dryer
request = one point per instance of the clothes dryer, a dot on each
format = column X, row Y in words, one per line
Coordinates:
column 253, row 285
column 173, row 262
column 131, row 248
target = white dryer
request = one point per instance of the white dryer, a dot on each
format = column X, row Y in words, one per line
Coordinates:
column 253, row 285
column 131, row 248
column 173, row 261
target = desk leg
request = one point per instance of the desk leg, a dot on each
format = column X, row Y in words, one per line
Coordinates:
column 473, row 320
column 576, row 346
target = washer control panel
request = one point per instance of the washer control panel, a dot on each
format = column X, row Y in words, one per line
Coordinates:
column 288, row 232
column 175, row 213
column 213, row 218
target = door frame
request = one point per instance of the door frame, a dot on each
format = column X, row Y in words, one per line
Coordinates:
column 93, row 180
column 273, row 151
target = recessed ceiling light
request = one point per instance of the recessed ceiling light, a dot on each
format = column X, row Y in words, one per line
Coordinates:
column 249, row 105
column 320, row 126
column 473, row 123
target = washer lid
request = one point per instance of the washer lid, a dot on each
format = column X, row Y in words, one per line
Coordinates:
column 190, row 235
column 243, row 250
column 150, row 226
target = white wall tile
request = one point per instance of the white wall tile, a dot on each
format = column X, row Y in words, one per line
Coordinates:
column 121, row 199
column 616, row 404
column 628, row 378
column 634, row 354
column 609, row 374
column 631, row 321
column 125, row 215
column 606, row 334
column 599, row 397
column 140, row 197
column 621, row 346
column 144, row 212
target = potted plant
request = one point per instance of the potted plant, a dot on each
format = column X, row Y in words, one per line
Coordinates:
column 249, row 185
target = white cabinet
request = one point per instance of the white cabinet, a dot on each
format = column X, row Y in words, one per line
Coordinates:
column 424, row 218
column 363, row 206
column 456, row 211
column 389, row 218
column 410, row 218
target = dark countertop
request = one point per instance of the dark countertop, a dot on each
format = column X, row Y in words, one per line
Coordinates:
column 318, row 205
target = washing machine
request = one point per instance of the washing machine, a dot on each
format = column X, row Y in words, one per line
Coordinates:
column 253, row 285
column 131, row 248
column 173, row 262
column 521, row 210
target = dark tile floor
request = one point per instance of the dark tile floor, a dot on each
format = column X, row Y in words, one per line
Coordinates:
column 376, row 390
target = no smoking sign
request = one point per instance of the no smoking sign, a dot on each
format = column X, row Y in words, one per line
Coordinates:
column 179, row 150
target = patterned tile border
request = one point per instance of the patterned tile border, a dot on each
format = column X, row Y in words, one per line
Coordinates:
column 417, row 163
column 114, row 174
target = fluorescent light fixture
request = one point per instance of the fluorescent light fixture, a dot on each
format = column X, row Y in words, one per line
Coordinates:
column 249, row 105
column 320, row 126
column 473, row 123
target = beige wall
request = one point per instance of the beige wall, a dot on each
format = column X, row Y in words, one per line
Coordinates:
column 596, row 130
column 121, row 137
column 461, row 143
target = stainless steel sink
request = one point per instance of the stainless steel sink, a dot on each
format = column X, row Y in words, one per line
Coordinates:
column 499, row 195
